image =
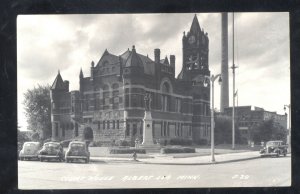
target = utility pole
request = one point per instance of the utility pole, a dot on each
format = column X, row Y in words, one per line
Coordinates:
column 233, row 82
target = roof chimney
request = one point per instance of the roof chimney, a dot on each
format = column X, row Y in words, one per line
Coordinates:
column 156, row 55
column 172, row 61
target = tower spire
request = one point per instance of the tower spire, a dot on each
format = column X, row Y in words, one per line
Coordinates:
column 195, row 27
column 81, row 73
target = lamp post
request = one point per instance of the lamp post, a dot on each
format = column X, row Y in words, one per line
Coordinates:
column 212, row 122
column 289, row 130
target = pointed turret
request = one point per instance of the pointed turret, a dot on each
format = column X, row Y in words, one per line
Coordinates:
column 195, row 27
column 81, row 74
column 58, row 83
column 105, row 52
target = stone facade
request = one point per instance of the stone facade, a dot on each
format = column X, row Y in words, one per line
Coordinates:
column 109, row 104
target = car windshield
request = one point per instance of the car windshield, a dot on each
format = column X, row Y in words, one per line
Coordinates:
column 273, row 143
column 77, row 145
column 27, row 145
column 52, row 145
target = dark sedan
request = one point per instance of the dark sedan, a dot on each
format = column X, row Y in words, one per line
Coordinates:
column 51, row 151
column 77, row 150
column 274, row 148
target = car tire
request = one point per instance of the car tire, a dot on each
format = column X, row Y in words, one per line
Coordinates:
column 278, row 154
column 41, row 159
column 284, row 154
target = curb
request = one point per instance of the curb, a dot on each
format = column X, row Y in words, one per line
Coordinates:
column 176, row 163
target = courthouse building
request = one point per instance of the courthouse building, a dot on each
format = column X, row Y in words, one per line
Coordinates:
column 109, row 104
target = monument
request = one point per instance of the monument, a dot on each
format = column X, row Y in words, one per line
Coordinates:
column 148, row 143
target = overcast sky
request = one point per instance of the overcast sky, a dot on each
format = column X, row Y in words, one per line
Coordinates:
column 48, row 43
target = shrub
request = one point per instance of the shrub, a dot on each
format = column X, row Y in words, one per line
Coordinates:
column 180, row 141
column 177, row 150
column 122, row 143
column 127, row 151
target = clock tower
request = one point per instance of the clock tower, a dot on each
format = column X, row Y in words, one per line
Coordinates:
column 195, row 52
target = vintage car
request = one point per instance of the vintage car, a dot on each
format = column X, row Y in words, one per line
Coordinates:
column 274, row 148
column 51, row 151
column 30, row 150
column 77, row 150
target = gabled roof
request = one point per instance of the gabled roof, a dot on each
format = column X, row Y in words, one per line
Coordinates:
column 58, row 83
column 195, row 27
column 110, row 58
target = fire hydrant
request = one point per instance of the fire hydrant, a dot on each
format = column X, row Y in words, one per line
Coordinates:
column 134, row 156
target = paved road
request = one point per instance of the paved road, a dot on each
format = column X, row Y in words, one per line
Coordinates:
column 117, row 174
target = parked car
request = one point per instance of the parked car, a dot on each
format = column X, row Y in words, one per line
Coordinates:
column 30, row 150
column 77, row 150
column 51, row 151
column 274, row 148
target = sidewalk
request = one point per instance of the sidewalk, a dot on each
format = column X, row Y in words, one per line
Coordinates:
column 170, row 160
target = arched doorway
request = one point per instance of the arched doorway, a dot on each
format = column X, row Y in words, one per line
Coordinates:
column 88, row 134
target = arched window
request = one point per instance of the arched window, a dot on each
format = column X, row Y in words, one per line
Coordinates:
column 165, row 88
column 165, row 98
column 115, row 88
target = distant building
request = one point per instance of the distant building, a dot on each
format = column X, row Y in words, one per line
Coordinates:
column 109, row 104
column 247, row 117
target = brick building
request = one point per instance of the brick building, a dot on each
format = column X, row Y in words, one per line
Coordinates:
column 109, row 104
column 247, row 117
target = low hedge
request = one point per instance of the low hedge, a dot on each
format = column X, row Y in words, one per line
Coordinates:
column 122, row 143
column 127, row 151
column 173, row 150
column 181, row 141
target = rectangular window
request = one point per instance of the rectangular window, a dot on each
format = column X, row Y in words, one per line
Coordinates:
column 118, row 124
column 127, row 133
column 98, row 124
column 104, row 125
column 168, row 129
column 134, row 128
column 141, row 130
column 114, row 124
column 177, row 105
column 108, row 124
column 134, row 100
column 181, row 130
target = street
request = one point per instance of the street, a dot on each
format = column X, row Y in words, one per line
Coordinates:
column 259, row 172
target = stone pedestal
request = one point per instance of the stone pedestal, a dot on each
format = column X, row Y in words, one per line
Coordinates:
column 148, row 134
column 147, row 129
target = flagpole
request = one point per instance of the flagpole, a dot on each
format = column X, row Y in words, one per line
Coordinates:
column 233, row 83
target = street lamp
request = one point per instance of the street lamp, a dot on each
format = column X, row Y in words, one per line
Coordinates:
column 289, row 130
column 212, row 122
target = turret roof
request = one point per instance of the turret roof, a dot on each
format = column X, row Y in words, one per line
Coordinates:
column 195, row 27
column 58, row 83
